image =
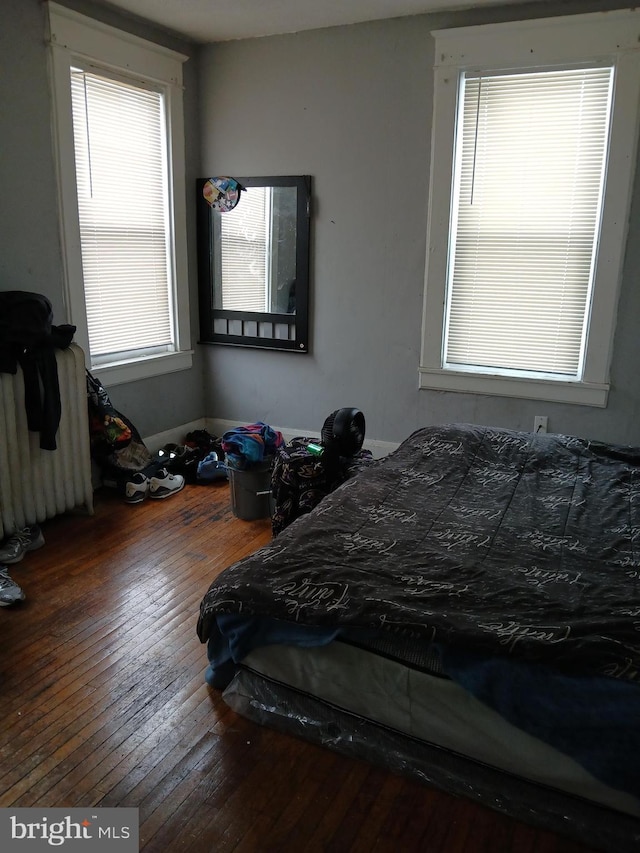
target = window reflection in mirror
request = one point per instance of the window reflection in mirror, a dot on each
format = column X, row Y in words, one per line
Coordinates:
column 253, row 265
column 256, row 267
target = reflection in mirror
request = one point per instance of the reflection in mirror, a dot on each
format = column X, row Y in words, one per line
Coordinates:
column 254, row 265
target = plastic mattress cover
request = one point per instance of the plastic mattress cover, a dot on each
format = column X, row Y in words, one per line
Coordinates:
column 280, row 707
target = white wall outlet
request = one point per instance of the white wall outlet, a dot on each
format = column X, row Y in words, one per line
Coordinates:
column 540, row 423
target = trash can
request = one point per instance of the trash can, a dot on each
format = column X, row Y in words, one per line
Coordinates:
column 251, row 491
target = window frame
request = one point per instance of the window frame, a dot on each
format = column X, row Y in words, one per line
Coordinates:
column 285, row 332
column 607, row 37
column 76, row 39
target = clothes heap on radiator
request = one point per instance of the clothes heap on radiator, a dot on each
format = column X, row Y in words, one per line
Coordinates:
column 28, row 339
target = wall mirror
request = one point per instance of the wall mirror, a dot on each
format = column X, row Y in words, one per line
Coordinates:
column 253, row 265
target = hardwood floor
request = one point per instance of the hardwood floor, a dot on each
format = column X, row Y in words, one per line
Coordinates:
column 104, row 703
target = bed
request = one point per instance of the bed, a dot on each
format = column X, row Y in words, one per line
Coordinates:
column 465, row 611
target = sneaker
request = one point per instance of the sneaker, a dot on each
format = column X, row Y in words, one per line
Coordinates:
column 136, row 489
column 200, row 439
column 210, row 468
column 10, row 592
column 167, row 454
column 163, row 484
column 16, row 546
column 174, row 458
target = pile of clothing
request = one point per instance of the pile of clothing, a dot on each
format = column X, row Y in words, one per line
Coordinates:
column 245, row 446
column 198, row 460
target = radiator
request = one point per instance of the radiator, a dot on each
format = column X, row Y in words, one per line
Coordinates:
column 37, row 484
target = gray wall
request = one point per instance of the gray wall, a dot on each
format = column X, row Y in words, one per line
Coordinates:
column 31, row 255
column 351, row 106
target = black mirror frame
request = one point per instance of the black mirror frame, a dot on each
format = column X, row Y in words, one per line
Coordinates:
column 206, row 260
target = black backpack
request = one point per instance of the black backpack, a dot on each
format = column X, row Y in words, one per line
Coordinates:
column 26, row 318
column 28, row 338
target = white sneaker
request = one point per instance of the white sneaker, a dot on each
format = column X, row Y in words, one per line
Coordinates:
column 164, row 484
column 136, row 489
column 10, row 592
column 16, row 546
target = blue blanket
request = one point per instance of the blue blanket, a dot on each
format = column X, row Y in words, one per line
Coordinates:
column 592, row 719
column 249, row 445
column 234, row 636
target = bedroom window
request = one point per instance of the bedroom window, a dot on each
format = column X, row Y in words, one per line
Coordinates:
column 527, row 219
column 118, row 111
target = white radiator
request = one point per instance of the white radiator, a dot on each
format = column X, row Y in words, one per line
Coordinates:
column 37, row 484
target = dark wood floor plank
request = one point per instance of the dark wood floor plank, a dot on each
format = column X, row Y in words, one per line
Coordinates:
column 381, row 803
column 259, row 835
column 81, row 671
column 94, row 703
column 219, row 772
column 269, row 755
column 105, row 750
column 103, row 703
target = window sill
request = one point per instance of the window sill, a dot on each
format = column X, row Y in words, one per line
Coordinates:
column 581, row 393
column 118, row 373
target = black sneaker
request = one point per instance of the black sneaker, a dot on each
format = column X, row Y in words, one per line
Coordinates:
column 17, row 545
column 10, row 592
column 200, row 439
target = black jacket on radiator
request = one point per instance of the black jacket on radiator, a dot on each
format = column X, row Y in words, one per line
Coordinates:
column 29, row 339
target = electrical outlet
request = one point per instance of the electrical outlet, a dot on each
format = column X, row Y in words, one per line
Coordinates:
column 540, row 423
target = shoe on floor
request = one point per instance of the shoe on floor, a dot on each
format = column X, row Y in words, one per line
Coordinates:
column 164, row 484
column 10, row 592
column 167, row 454
column 136, row 489
column 210, row 469
column 174, row 458
column 17, row 545
column 200, row 438
column 203, row 441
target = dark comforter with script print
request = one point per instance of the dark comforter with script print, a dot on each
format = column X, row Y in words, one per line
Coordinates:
column 502, row 542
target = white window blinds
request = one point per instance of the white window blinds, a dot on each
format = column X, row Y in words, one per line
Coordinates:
column 121, row 169
column 245, row 247
column 527, row 191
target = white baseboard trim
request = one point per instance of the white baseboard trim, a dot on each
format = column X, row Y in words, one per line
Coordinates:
column 380, row 448
column 172, row 436
column 218, row 426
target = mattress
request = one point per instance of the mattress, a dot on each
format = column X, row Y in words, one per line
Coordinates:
column 372, row 705
column 514, row 557
column 506, row 543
